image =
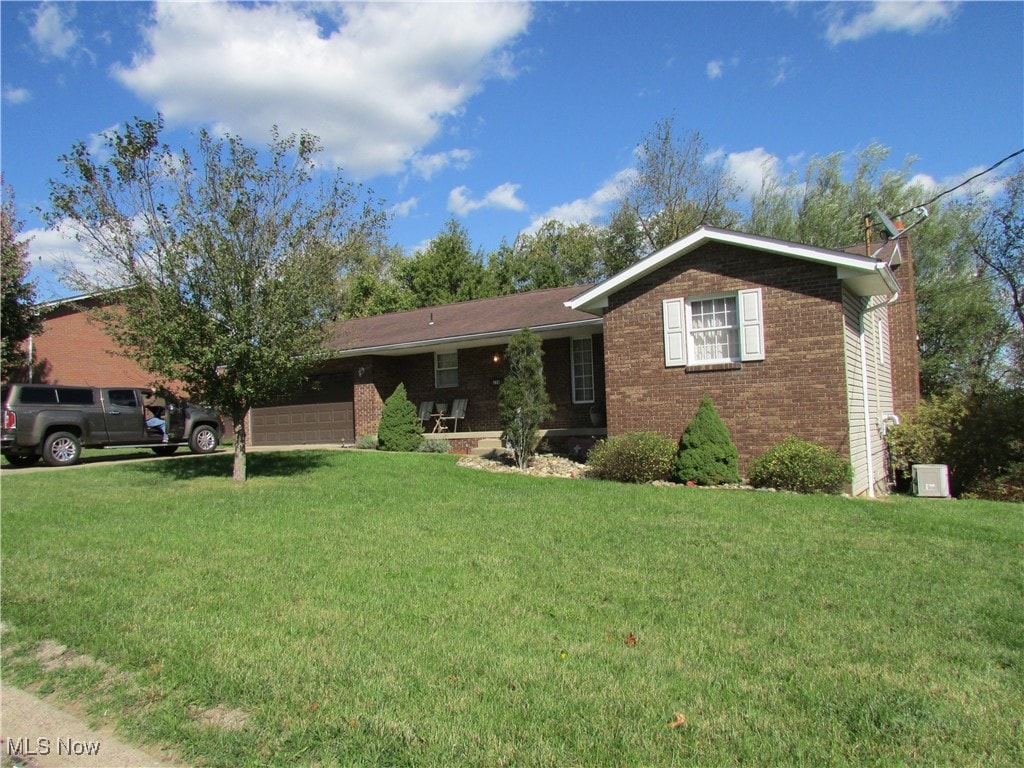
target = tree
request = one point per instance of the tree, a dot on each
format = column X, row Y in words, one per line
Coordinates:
column 523, row 402
column 446, row 271
column 18, row 318
column 707, row 454
column 227, row 262
column 679, row 186
column 559, row 254
column 999, row 252
column 399, row 429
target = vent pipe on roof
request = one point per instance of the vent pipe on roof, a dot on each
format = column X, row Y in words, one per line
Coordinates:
column 431, row 319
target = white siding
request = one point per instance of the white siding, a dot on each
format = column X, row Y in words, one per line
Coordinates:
column 878, row 382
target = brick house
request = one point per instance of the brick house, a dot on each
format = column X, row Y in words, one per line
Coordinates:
column 786, row 339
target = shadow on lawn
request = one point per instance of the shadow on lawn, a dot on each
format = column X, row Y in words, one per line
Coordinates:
column 284, row 464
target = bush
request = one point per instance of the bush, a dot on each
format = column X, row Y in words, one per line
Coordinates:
column 435, row 446
column 706, row 455
column 980, row 437
column 797, row 465
column 399, row 429
column 367, row 443
column 636, row 457
column 523, row 402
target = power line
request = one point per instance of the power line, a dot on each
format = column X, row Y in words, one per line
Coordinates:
column 961, row 184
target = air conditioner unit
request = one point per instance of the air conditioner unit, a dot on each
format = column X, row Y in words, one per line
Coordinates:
column 930, row 480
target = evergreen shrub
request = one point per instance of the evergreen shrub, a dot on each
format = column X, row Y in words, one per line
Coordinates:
column 706, row 454
column 797, row 465
column 635, row 457
column 399, row 429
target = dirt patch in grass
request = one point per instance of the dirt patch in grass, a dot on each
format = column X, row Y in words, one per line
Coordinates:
column 53, row 657
column 220, row 717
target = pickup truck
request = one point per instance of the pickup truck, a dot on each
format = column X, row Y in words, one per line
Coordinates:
column 54, row 423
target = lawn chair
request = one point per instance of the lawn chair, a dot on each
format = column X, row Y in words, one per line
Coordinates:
column 426, row 413
column 458, row 412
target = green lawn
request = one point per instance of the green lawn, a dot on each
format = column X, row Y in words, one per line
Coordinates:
column 357, row 608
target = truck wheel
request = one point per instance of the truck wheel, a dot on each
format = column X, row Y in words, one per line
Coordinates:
column 22, row 459
column 61, row 449
column 203, row 440
column 165, row 450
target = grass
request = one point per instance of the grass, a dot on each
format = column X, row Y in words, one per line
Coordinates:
column 360, row 609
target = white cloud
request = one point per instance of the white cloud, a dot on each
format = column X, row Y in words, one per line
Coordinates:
column 404, row 208
column 502, row 197
column 750, row 168
column 52, row 32
column 715, row 68
column 54, row 251
column 586, row 210
column 782, row 69
column 869, row 19
column 17, row 95
column 427, row 166
column 376, row 86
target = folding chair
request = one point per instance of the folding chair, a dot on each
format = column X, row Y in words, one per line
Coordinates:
column 425, row 413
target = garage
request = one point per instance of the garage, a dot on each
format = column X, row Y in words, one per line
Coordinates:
column 322, row 413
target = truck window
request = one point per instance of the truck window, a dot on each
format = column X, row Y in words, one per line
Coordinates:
column 124, row 398
column 71, row 396
column 38, row 396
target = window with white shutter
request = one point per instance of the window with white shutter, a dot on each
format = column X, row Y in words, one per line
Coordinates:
column 709, row 330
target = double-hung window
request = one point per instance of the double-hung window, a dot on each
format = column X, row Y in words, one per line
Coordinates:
column 446, row 369
column 710, row 330
column 583, row 370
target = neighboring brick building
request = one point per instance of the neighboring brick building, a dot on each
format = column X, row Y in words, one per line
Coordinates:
column 786, row 339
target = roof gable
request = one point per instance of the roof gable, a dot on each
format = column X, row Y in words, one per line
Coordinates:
column 865, row 276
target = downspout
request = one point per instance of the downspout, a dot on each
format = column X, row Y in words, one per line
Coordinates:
column 31, row 355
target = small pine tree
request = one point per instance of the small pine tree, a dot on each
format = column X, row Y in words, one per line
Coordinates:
column 523, row 402
column 399, row 429
column 707, row 455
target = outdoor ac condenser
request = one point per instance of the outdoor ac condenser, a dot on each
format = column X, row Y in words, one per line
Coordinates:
column 930, row 480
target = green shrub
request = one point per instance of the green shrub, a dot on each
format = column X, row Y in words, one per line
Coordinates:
column 635, row 457
column 523, row 402
column 399, row 429
column 797, row 465
column 706, row 454
column 435, row 446
column 367, row 443
column 980, row 436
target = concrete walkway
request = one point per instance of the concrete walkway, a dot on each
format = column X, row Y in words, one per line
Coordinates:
column 37, row 734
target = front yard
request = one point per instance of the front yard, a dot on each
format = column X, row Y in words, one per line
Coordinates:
column 357, row 608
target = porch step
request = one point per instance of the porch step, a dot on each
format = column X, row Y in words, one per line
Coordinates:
column 488, row 447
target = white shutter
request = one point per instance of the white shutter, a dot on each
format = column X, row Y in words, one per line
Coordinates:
column 674, row 319
column 751, row 325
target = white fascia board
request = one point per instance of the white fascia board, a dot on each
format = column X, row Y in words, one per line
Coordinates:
column 850, row 264
column 470, row 339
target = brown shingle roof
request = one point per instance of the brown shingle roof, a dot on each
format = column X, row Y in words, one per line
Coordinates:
column 464, row 321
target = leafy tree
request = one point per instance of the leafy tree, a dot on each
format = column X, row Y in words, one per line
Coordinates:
column 679, row 187
column 999, row 252
column 228, row 258
column 558, row 254
column 18, row 319
column 962, row 334
column 707, row 454
column 622, row 242
column 399, row 429
column 523, row 402
column 446, row 271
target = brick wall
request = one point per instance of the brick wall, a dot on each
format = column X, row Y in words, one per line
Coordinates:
column 72, row 349
column 906, row 372
column 799, row 388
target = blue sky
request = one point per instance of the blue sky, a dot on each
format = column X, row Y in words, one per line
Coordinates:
column 502, row 115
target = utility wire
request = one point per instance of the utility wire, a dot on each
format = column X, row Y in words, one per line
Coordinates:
column 961, row 184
